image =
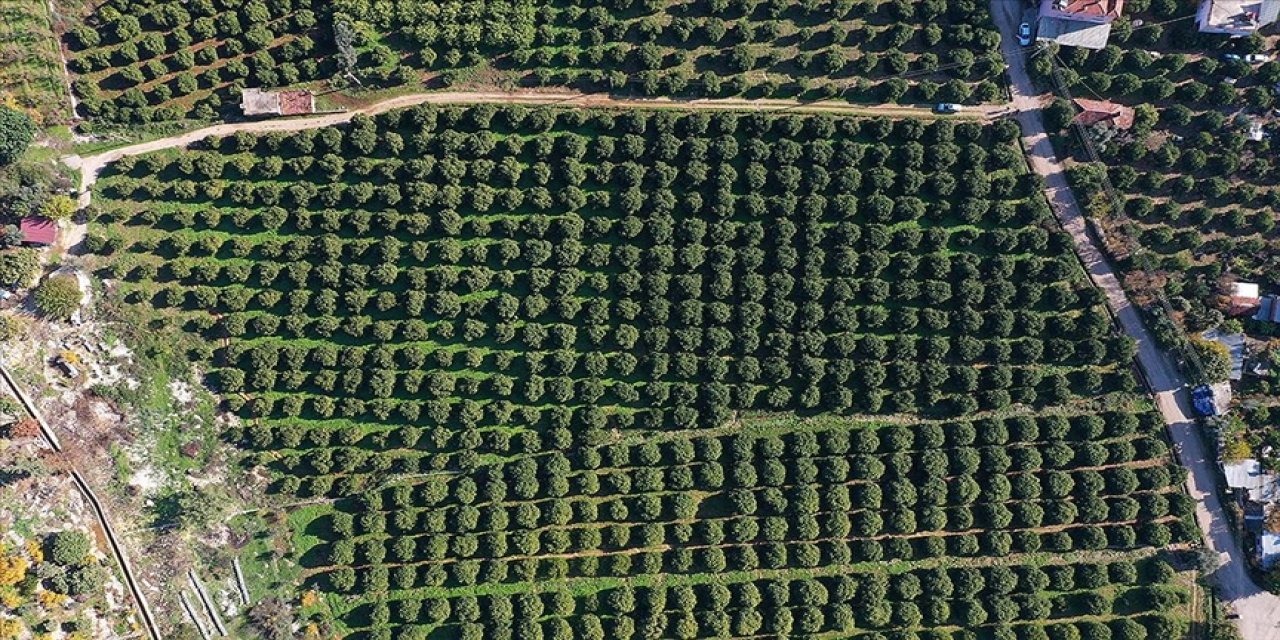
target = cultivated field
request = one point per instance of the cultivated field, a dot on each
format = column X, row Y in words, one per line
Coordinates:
column 148, row 61
column 568, row 372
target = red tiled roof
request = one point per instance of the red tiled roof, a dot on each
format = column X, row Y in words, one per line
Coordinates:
column 38, row 230
column 1240, row 306
column 1095, row 111
column 1096, row 8
column 294, row 103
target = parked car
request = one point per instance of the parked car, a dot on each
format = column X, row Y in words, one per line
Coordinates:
column 1257, row 58
column 1024, row 34
column 1231, row 56
column 948, row 107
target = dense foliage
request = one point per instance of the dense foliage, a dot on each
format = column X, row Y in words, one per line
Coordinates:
column 58, row 296
column 568, row 312
column 16, row 133
column 142, row 60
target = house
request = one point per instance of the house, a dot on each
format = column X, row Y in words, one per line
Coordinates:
column 1268, row 550
column 1094, row 112
column 256, row 102
column 1249, row 479
column 1245, row 299
column 1078, row 23
column 38, row 230
column 1236, row 18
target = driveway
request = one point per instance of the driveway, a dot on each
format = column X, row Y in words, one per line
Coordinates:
column 1259, row 610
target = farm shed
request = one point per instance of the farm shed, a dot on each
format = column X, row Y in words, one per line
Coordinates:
column 38, row 230
column 256, row 102
column 1103, row 112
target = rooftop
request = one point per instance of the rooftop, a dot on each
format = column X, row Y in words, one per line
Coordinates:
column 1099, row 111
column 1236, row 17
column 256, row 102
column 1088, row 10
column 1244, row 289
column 1073, row 33
column 296, row 102
column 38, row 230
column 1268, row 549
column 1248, row 475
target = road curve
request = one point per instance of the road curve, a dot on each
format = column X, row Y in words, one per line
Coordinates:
column 1259, row 610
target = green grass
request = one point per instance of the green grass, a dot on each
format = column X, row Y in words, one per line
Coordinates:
column 31, row 71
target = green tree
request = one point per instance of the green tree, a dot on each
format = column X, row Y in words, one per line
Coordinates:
column 58, row 296
column 16, row 133
column 69, row 548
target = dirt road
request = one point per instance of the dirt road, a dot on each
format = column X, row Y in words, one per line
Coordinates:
column 90, row 166
column 1259, row 610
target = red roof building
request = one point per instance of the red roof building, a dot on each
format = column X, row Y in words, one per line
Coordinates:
column 38, row 230
column 1090, row 10
column 256, row 102
column 1100, row 111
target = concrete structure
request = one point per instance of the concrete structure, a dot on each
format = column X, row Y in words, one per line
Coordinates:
column 1250, row 479
column 256, row 102
column 1093, row 112
column 38, row 230
column 1078, row 23
column 1236, row 18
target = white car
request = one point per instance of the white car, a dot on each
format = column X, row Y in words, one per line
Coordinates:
column 1024, row 34
column 1257, row 58
column 949, row 107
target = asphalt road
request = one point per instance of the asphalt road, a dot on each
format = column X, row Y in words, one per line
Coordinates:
column 1259, row 610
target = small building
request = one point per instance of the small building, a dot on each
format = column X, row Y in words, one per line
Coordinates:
column 1078, row 23
column 1268, row 550
column 1245, row 299
column 38, row 230
column 256, row 102
column 1251, row 481
column 1236, row 18
column 1095, row 112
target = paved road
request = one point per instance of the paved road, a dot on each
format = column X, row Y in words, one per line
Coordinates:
column 1259, row 610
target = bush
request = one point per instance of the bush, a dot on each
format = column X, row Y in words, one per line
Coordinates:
column 16, row 133
column 59, row 297
column 69, row 548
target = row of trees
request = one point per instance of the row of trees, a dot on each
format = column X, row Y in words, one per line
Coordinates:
column 708, row 315
column 384, row 574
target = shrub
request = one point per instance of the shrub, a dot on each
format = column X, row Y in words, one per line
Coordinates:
column 59, row 296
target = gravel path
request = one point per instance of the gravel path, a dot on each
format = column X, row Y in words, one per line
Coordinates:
column 1259, row 610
